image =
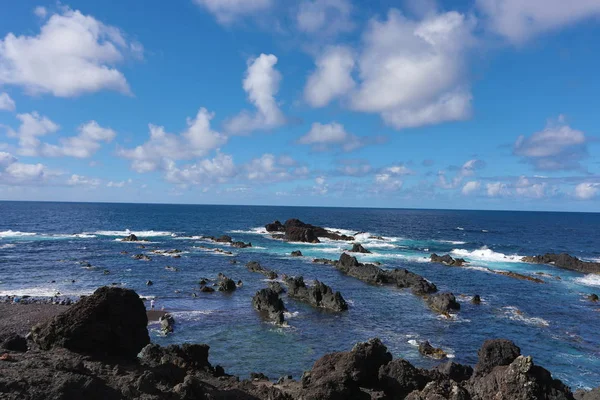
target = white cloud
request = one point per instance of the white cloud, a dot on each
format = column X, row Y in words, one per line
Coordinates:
column 325, row 17
column 586, row 191
column 556, row 147
column 323, row 136
column 227, row 11
column 470, row 187
column 261, row 84
column 12, row 172
column 40, row 11
column 525, row 188
column 79, row 180
column 412, row 73
column 520, row 20
column 207, row 171
column 496, row 189
column 119, row 184
column 33, row 125
column 399, row 170
column 84, row 145
column 73, row 54
column 268, row 168
column 162, row 147
column 321, row 187
column 6, row 102
column 354, row 168
column 467, row 169
column 386, row 182
column 332, row 78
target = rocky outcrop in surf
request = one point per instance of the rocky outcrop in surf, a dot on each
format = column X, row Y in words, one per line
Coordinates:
column 442, row 303
column 130, row 238
column 426, row 349
column 566, row 261
column 228, row 240
column 295, row 230
column 254, row 266
column 358, row 248
column 318, row 295
column 448, row 260
column 268, row 303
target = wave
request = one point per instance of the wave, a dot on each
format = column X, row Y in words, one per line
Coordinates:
column 259, row 230
column 486, row 254
column 459, row 228
column 290, row 315
column 191, row 316
column 11, row 233
column 589, row 280
column 514, row 314
column 128, row 232
column 44, row 291
column 451, row 241
column 7, row 246
column 17, row 234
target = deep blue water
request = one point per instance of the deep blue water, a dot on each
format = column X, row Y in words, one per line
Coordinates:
column 553, row 322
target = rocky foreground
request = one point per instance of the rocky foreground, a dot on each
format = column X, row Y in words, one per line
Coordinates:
column 100, row 349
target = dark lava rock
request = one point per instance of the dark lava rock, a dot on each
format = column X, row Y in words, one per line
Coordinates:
column 207, row 289
column 495, row 352
column 443, row 303
column 341, row 375
column 275, row 227
column 298, row 231
column 454, row 371
column 319, row 295
column 324, row 261
column 149, row 283
column 358, row 248
column 403, row 278
column 439, row 390
column 254, row 266
column 110, row 322
column 476, row 299
column 224, row 239
column 167, row 323
column 241, row 245
column 226, row 284
column 258, row 376
column 267, row 302
column 398, row 378
column 186, row 356
column 515, row 275
column 593, row 394
column 142, row 257
column 276, row 287
column 593, row 297
column 301, row 234
column 428, row 350
column 365, row 272
column 565, row 261
column 14, row 343
column 448, row 260
column 130, row 238
column 296, row 253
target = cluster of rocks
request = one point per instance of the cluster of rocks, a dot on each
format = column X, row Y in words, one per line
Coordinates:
column 175, row 253
column 254, row 266
column 56, row 300
column 132, row 238
column 565, row 261
column 223, row 284
column 318, row 295
column 448, row 260
column 294, row 230
column 229, row 240
column 142, row 257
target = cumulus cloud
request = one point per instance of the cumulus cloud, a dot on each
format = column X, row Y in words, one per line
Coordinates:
column 321, row 187
column 586, row 191
column 557, row 147
column 40, row 11
column 6, row 102
column 228, row 11
column 332, row 78
column 354, row 167
column 325, row 17
column 261, row 84
column 519, row 20
column 468, row 169
column 471, row 187
column 323, row 137
column 208, row 171
column 162, row 147
column 79, row 180
column 33, row 125
column 525, row 188
column 119, row 184
column 496, row 189
column 84, row 145
column 12, row 172
column 386, row 182
column 269, row 168
column 73, row 54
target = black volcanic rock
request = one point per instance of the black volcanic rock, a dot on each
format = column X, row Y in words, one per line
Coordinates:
column 443, row 303
column 110, row 322
column 565, row 261
column 14, row 343
column 130, row 238
column 426, row 349
column 301, row 234
column 267, row 302
column 495, row 352
column 275, row 227
column 448, row 260
column 296, row 253
column 319, row 295
column 398, row 378
column 298, row 231
column 254, row 266
column 358, row 248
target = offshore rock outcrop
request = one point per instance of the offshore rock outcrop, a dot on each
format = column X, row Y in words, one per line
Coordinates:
column 254, row 266
column 358, row 248
column 268, row 303
column 228, row 240
column 448, row 260
column 295, row 230
column 319, row 295
column 565, row 261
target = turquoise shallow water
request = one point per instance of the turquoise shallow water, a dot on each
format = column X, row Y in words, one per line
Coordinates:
column 553, row 322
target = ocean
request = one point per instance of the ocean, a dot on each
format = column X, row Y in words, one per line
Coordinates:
column 73, row 248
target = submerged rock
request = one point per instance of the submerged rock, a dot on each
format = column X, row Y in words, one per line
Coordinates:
column 476, row 299
column 296, row 253
column 130, row 238
column 142, row 257
column 267, row 302
column 319, row 295
column 226, row 284
column 593, row 297
column 110, row 322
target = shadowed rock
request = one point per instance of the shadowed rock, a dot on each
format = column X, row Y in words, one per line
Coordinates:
column 448, row 260
column 254, row 266
column 14, row 343
column 398, row 378
column 428, row 350
column 495, row 352
column 130, row 238
column 267, row 302
column 443, row 303
column 358, row 248
column 319, row 295
column 296, row 253
column 167, row 323
column 565, row 261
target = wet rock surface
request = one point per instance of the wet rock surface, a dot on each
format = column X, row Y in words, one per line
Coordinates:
column 565, row 261
column 268, row 303
column 318, row 295
column 295, row 230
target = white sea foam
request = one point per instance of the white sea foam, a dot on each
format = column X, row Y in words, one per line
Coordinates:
column 460, row 228
column 413, row 342
column 589, row 280
column 451, row 241
column 514, row 314
column 46, row 291
column 7, row 246
column 128, row 232
column 259, row 230
column 290, row 315
column 485, row 254
column 10, row 233
column 194, row 315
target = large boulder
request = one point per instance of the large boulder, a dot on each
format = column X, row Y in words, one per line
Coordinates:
column 494, row 353
column 301, row 234
column 565, row 261
column 406, row 279
column 111, row 322
column 319, row 295
column 267, row 302
column 358, row 248
column 275, row 227
column 452, row 370
column 398, row 378
column 448, row 260
column 443, row 303
column 254, row 266
column 130, row 238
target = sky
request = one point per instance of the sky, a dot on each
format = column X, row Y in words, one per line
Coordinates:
column 480, row 104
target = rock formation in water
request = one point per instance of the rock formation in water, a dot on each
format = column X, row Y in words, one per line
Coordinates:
column 448, row 260
column 254, row 266
column 295, row 230
column 319, row 295
column 267, row 302
column 565, row 261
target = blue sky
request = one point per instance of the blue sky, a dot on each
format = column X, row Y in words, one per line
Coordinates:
column 482, row 104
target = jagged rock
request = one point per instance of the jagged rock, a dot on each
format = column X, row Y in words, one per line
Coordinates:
column 275, row 227
column 276, row 287
column 365, row 272
column 224, row 239
column 565, row 261
column 358, row 248
column 298, row 231
column 593, row 297
column 110, row 322
column 398, row 378
column 241, row 245
column 318, row 295
column 452, row 370
column 167, row 323
column 448, row 260
column 428, row 350
column 301, row 234
column 324, row 261
column 443, row 303
column 403, row 278
column 296, row 253
column 14, row 343
column 440, row 390
column 258, row 376
column 130, row 238
column 495, row 352
column 186, row 356
column 254, row 266
column 226, row 284
column 207, row 289
column 267, row 302
column 142, row 257
column 515, row 275
column 149, row 283
column 476, row 299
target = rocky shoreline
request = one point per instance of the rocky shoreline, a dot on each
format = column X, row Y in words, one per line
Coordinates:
column 99, row 348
